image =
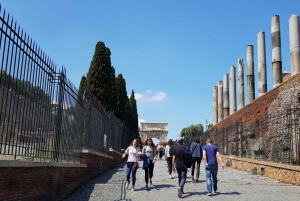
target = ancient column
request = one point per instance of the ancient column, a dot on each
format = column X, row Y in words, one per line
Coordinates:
column 241, row 101
column 225, row 96
column 215, row 105
column 276, row 51
column 220, row 101
column 232, row 90
column 294, row 44
column 250, row 73
column 262, row 68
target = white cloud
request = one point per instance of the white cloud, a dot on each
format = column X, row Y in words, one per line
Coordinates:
column 141, row 120
column 138, row 96
column 151, row 97
column 158, row 97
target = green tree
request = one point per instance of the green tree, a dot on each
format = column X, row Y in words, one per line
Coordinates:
column 192, row 130
column 134, row 113
column 99, row 74
column 210, row 125
column 121, row 98
column 113, row 100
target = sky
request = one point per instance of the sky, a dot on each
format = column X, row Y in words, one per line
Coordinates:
column 170, row 52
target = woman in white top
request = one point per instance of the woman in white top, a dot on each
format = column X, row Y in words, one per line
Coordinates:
column 169, row 155
column 133, row 152
column 150, row 152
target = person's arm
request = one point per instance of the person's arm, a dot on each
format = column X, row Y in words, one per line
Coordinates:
column 204, row 157
column 173, row 163
column 139, row 152
column 143, row 150
column 220, row 159
column 125, row 153
column 154, row 156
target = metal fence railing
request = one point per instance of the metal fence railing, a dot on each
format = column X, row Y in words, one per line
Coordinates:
column 42, row 117
column 274, row 138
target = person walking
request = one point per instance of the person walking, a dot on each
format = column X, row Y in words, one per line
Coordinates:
column 178, row 162
column 149, row 150
column 160, row 150
column 196, row 150
column 210, row 158
column 133, row 152
column 169, row 155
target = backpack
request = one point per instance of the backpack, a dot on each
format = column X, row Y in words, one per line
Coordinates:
column 188, row 159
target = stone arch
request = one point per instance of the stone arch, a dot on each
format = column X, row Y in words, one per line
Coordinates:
column 156, row 130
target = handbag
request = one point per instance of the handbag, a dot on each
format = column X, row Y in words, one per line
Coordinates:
column 136, row 165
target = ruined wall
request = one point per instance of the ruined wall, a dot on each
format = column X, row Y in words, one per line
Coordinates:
column 265, row 129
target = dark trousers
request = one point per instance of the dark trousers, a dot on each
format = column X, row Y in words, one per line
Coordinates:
column 181, row 176
column 169, row 161
column 160, row 154
column 198, row 161
column 149, row 172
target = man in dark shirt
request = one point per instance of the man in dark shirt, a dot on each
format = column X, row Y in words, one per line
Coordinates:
column 178, row 162
column 210, row 157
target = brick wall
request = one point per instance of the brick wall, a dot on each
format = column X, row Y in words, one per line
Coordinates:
column 287, row 93
column 20, row 180
column 252, row 143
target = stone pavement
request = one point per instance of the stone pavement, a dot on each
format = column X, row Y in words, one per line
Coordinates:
column 232, row 185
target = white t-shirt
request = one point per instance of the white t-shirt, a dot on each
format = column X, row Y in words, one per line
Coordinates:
column 133, row 154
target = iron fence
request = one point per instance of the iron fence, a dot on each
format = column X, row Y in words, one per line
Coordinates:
column 42, row 115
column 273, row 138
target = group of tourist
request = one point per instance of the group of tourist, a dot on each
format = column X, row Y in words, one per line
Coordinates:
column 175, row 157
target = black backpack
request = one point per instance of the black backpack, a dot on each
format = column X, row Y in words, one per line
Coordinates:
column 188, row 159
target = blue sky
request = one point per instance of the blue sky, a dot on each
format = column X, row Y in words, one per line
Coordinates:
column 171, row 52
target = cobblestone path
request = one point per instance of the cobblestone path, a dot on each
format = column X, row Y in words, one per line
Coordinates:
column 232, row 185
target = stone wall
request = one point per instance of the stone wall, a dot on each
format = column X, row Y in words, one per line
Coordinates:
column 30, row 181
column 281, row 172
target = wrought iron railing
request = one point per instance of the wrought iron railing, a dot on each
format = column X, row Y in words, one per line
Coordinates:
column 42, row 117
column 274, row 138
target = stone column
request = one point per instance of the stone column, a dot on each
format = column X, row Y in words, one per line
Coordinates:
column 276, row 51
column 250, row 73
column 220, row 101
column 225, row 96
column 232, row 90
column 215, row 104
column 262, row 68
column 294, row 44
column 241, row 101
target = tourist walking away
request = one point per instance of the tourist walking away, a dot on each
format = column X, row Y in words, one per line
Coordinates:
column 196, row 150
column 210, row 156
column 169, row 155
column 160, row 150
column 149, row 150
column 178, row 163
column 133, row 152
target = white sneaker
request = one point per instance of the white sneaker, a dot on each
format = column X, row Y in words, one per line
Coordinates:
column 214, row 192
column 170, row 176
column 132, row 188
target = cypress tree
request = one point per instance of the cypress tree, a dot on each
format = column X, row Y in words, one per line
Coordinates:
column 121, row 98
column 134, row 113
column 98, row 75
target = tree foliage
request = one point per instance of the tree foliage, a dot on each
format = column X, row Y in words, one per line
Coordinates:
column 192, row 130
column 133, row 113
column 99, row 74
column 109, row 89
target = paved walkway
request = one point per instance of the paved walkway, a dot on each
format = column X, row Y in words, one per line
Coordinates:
column 233, row 185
